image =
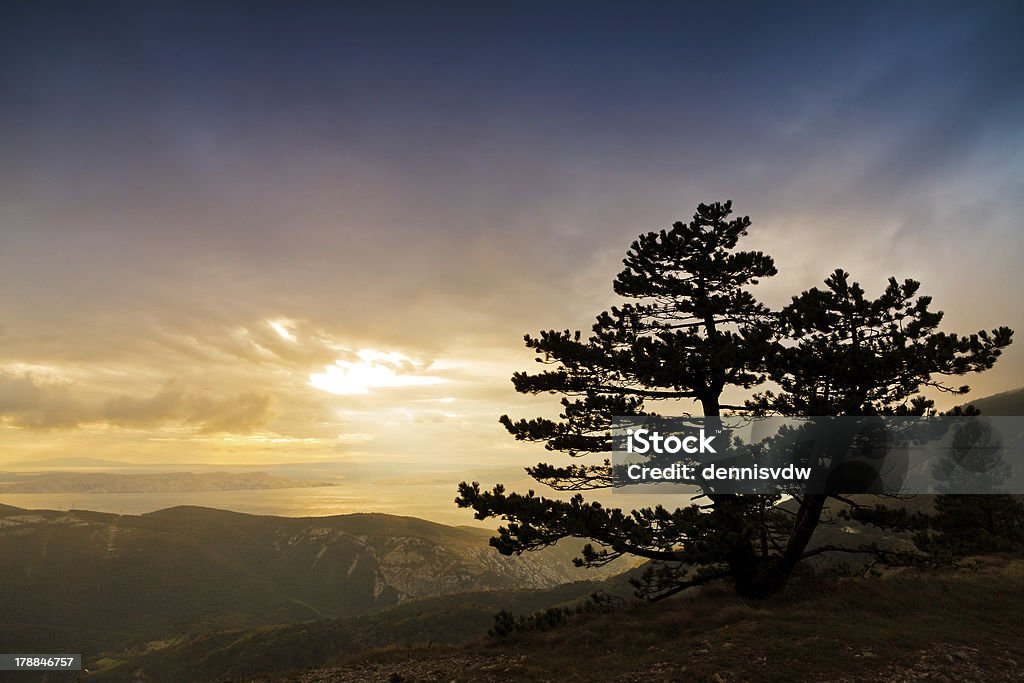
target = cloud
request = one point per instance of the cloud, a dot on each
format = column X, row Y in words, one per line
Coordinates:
column 239, row 414
column 32, row 403
column 159, row 237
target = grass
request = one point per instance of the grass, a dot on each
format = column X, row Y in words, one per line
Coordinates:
column 956, row 624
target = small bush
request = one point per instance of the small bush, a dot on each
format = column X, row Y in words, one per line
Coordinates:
column 506, row 623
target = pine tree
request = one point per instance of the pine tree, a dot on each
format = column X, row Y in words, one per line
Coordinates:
column 850, row 355
column 690, row 330
column 983, row 520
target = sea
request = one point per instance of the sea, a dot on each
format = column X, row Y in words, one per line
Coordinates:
column 434, row 502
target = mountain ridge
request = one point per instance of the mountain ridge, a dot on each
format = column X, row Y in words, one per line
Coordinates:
column 164, row 482
column 118, row 581
column 1005, row 403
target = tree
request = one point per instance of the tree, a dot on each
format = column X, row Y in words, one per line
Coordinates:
column 690, row 330
column 971, row 515
column 974, row 522
column 848, row 355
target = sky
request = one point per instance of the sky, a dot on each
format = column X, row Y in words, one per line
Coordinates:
column 304, row 232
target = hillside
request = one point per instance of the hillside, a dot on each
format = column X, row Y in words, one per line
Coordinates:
column 441, row 621
column 960, row 624
column 108, row 582
column 96, row 482
column 1005, row 403
column 936, row 625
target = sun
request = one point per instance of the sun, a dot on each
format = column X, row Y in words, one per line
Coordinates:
column 373, row 370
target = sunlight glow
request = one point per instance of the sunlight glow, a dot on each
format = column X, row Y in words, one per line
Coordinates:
column 281, row 330
column 373, row 370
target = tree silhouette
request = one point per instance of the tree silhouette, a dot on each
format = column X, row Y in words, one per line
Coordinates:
column 970, row 524
column 973, row 514
column 690, row 331
column 974, row 464
column 846, row 355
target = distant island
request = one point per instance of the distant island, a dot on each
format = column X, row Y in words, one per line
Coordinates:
column 164, row 482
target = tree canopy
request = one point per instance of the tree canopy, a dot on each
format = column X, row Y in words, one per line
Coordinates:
column 689, row 330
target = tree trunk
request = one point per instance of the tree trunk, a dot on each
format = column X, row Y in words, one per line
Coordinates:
column 743, row 561
column 773, row 575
